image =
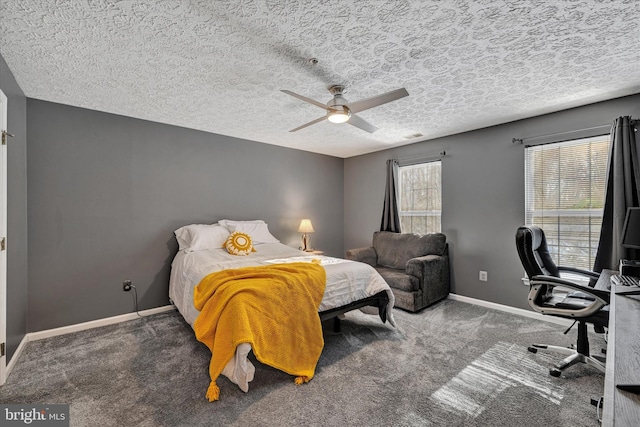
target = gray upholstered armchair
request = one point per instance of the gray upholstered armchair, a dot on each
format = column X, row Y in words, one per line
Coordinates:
column 415, row 266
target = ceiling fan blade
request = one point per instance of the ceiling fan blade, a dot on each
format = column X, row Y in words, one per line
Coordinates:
column 304, row 98
column 361, row 123
column 318, row 120
column 374, row 101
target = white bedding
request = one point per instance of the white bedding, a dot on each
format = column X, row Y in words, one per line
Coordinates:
column 347, row 281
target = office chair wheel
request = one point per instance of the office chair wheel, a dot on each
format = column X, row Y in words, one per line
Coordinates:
column 555, row 372
column 532, row 349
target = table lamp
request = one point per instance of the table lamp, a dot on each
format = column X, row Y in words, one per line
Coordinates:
column 305, row 228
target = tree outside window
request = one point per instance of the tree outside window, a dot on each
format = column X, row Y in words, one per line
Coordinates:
column 420, row 197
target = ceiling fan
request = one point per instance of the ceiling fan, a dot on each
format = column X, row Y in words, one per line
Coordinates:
column 339, row 110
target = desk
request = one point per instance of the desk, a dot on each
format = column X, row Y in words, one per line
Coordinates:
column 621, row 408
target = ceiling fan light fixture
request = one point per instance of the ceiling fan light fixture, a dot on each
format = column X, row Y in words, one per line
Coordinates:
column 339, row 115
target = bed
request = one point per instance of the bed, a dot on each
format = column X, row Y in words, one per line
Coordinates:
column 350, row 285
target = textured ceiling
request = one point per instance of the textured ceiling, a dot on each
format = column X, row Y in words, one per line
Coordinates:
column 219, row 65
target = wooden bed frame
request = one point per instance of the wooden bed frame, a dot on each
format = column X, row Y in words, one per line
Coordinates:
column 380, row 300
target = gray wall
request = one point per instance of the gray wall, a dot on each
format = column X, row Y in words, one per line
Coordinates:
column 106, row 193
column 16, row 210
column 482, row 192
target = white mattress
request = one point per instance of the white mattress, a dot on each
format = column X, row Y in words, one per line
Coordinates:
column 347, row 281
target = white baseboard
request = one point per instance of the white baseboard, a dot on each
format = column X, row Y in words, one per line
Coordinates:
column 16, row 356
column 512, row 310
column 34, row 336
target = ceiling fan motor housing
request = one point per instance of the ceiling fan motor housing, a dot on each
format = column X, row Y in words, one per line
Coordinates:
column 338, row 100
column 338, row 111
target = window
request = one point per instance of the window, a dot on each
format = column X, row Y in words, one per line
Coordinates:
column 420, row 197
column 565, row 190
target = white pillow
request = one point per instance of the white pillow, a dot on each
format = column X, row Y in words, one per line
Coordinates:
column 257, row 229
column 228, row 222
column 198, row 237
column 183, row 237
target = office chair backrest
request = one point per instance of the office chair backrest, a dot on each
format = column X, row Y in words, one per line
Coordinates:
column 534, row 253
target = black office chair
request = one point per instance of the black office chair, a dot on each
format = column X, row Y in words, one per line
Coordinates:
column 549, row 295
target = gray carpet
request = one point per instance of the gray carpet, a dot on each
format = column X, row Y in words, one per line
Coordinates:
column 453, row 364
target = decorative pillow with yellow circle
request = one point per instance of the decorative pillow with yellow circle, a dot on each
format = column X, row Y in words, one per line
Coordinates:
column 239, row 243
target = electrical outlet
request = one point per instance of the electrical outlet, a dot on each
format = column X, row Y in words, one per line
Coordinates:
column 482, row 276
column 126, row 285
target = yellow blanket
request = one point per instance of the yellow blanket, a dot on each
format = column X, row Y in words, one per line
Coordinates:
column 274, row 308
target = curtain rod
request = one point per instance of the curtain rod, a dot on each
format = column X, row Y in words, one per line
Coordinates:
column 423, row 158
column 521, row 140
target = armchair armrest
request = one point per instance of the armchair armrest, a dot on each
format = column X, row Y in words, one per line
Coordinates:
column 587, row 273
column 367, row 255
column 428, row 268
column 556, row 281
column 539, row 284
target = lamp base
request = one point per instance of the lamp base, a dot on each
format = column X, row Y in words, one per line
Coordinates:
column 305, row 243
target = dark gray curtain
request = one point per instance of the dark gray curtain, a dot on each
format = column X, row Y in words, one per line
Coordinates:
column 623, row 191
column 390, row 218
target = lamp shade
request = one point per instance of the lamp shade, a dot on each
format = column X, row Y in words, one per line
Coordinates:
column 305, row 226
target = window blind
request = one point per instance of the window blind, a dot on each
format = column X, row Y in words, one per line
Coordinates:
column 420, row 197
column 564, row 195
